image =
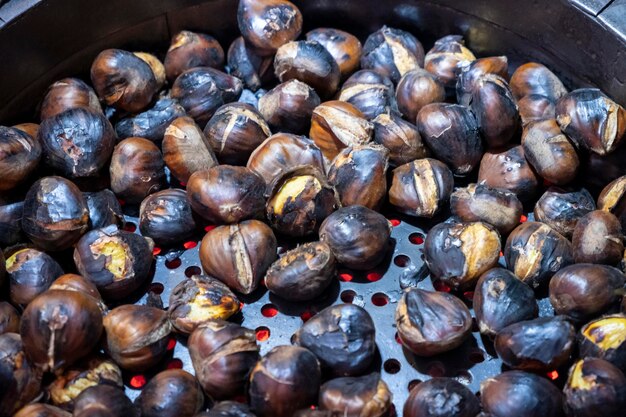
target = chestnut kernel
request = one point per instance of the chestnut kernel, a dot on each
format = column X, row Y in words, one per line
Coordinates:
column 416, row 89
column 30, row 273
column 19, row 156
column 562, row 208
column 535, row 107
column 613, row 199
column 189, row 50
column 598, row 239
column 251, row 68
column 508, row 169
column 343, row 47
column 370, row 92
column 171, row 393
column 472, row 71
column 104, row 401
column 288, row 106
column 21, row 381
column 444, row 58
column 533, row 78
column 400, row 137
column 150, row 124
column 166, row 217
column 604, row 338
column 361, row 396
column 9, row 318
column 441, row 397
column 104, row 209
column 66, row 94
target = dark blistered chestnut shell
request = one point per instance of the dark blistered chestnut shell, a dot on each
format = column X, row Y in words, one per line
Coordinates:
column 421, row 188
column 562, row 208
column 59, row 327
column 41, row 410
column 66, row 94
column 104, row 401
column 416, row 89
column 344, row 47
column 501, row 299
column 509, row 170
column 239, row 254
column 342, row 337
column 116, row 261
column 535, row 107
column 19, row 156
column 359, row 174
column 30, row 273
column 357, row 236
column 534, row 78
column 11, row 224
column 166, row 217
column 370, row 92
column 288, row 106
column 223, row 354
column 582, row 291
column 613, row 199
column 150, row 124
column 519, row 393
column 228, row 409
column 171, row 393
column 9, row 318
column 452, row 134
column 444, row 58
column 20, row 380
column 251, row 68
column 104, row 209
column 441, row 397
column 605, row 338
column 459, row 253
column 598, row 239
column 400, row 137
column 361, row 396
column 136, row 169
column 430, row 323
column 471, row 71
column 302, row 273
column 55, row 213
column 189, row 50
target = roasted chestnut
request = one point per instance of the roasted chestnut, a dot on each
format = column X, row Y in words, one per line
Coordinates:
column 472, row 71
column 501, row 299
column 613, row 199
column 66, row 94
column 421, row 188
column 104, row 209
column 166, row 217
column 370, row 92
column 430, row 323
column 604, row 338
column 30, row 273
column 343, row 47
column 239, row 254
column 55, row 213
column 41, row 410
column 74, row 282
column 534, row 78
column 150, row 124
column 136, row 169
column 509, row 170
column 104, row 401
column 223, row 354
column 452, row 134
column 20, row 380
column 228, row 409
column 444, row 58
column 519, row 393
column 361, row 396
column 10, row 225
column 400, row 137
column 598, row 239
column 288, row 106
column 123, row 80
column 274, row 377
column 171, row 393
column 562, row 208
column 9, row 318
column 19, row 156
column 416, row 89
column 459, row 253
column 116, row 261
column 59, row 327
column 136, row 336
column 32, row 129
column 234, row 131
column 251, row 68
column 189, row 50
column 535, row 107
column 479, row 202
column 594, row 388
column 359, row 174
column 441, row 397
column 302, row 273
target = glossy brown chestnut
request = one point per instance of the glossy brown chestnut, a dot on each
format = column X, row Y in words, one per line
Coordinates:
column 189, row 50
column 479, row 202
column 66, row 94
column 150, row 124
column 166, row 217
column 430, row 323
column 251, row 68
column 19, row 156
column 361, row 396
column 9, row 318
column 239, row 254
column 598, row 239
column 444, row 58
column 155, row 65
column 535, row 107
column 302, row 273
column 171, row 393
column 370, row 92
column 223, row 355
column 104, row 401
column 613, row 199
column 234, row 131
column 533, row 78
column 509, row 170
column 416, row 89
column 471, row 71
column 41, row 410
column 55, row 213
column 421, row 188
column 59, row 327
column 10, row 225
column 136, row 169
column 228, row 409
column 343, row 47
column 74, row 282
column 605, row 338
column 501, row 299
column 441, row 397
column 104, row 209
column 288, row 106
column 562, row 208
column 20, row 380
column 400, row 137
column 136, row 336
column 30, row 273
column 274, row 377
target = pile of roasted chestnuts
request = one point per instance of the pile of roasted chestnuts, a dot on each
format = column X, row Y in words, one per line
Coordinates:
column 305, row 138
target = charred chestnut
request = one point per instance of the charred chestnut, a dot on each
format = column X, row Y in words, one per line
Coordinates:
column 421, row 188
column 104, row 401
column 30, row 272
column 605, row 338
column 228, row 409
column 613, row 199
column 441, row 397
column 223, row 354
column 472, row 71
column 150, row 124
column 533, row 78
column 251, row 68
column 239, row 254
column 9, row 318
column 562, row 208
column 171, row 393
column 104, row 209
column 19, row 156
column 189, row 50
column 361, row 396
column 302, row 273
column 509, row 170
column 416, row 89
column 430, row 323
column 535, row 107
column 66, row 94
column 598, row 239
column 166, row 217
column 444, row 58
column 10, row 225
column 501, row 299
column 342, row 46
column 288, row 106
column 370, row 92
column 400, row 137
column 20, row 380
column 41, row 410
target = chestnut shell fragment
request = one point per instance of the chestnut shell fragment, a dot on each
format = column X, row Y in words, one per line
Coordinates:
column 441, row 397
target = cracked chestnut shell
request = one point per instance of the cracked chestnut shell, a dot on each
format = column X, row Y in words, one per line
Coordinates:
column 342, row 337
column 41, row 410
column 302, row 273
column 104, row 401
column 288, row 106
column 116, row 261
column 613, row 199
column 416, row 89
column 535, row 107
column 361, row 396
column 357, row 236
column 189, row 50
column 533, row 78
column 459, row 253
column 370, row 92
column 561, row 208
column 66, row 94
column 479, row 202
column 598, row 239
column 286, row 379
column 10, row 225
column 519, row 393
column 605, row 338
column 9, row 318
column 151, row 123
column 166, row 217
column 508, row 169
column 228, row 409
column 239, row 254
column 400, row 137
column 136, row 336
column 472, row 71
column 59, row 327
column 19, row 156
column 198, row 299
column 582, row 291
column 247, row 65
column 223, row 355
column 55, row 213
column 501, row 299
column 104, row 209
column 451, row 132
column 421, row 188
column 344, row 47
column 20, row 380
column 441, row 397
column 171, row 393
column 430, row 323
column 30, row 273
column 444, row 58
